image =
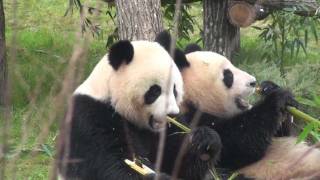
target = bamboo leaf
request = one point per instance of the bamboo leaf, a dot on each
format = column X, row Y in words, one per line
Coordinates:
column 306, row 130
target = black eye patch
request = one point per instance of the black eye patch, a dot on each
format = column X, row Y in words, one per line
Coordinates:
column 175, row 91
column 152, row 94
column 228, row 78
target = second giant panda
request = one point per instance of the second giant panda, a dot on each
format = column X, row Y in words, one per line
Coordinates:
column 216, row 88
column 118, row 110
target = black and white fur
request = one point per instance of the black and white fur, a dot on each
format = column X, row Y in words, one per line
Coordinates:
column 203, row 144
column 117, row 112
column 216, row 88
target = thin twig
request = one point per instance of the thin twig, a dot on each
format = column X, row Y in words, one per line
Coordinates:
column 184, row 146
column 68, row 86
column 163, row 133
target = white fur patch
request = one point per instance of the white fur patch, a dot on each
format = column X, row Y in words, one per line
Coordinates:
column 204, row 85
column 96, row 85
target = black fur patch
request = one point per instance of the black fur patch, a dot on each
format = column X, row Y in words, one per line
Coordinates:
column 152, row 94
column 267, row 87
column 100, row 139
column 151, row 121
column 246, row 136
column 192, row 48
column 180, row 59
column 164, row 39
column 120, row 52
column 175, row 91
column 228, row 78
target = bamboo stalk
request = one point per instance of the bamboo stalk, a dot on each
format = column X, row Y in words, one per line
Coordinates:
column 301, row 115
column 181, row 126
column 144, row 170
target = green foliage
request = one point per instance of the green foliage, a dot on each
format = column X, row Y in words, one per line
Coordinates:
column 187, row 22
column 303, row 80
column 286, row 35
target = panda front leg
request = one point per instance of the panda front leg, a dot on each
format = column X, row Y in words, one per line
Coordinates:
column 246, row 136
column 201, row 150
column 202, row 153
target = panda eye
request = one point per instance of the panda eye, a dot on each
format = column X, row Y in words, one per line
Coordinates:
column 175, row 91
column 152, row 94
column 228, row 78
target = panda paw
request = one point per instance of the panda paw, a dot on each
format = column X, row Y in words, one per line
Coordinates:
column 267, row 87
column 205, row 143
column 161, row 176
column 278, row 97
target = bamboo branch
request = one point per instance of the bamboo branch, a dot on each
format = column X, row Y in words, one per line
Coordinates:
column 181, row 126
column 143, row 169
column 301, row 115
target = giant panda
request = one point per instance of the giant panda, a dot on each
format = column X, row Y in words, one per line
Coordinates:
column 255, row 139
column 118, row 110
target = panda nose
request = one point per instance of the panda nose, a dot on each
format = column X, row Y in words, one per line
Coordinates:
column 253, row 83
column 173, row 115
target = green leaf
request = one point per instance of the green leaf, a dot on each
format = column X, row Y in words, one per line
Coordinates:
column 316, row 100
column 316, row 136
column 306, row 37
column 305, row 101
column 47, row 149
column 306, row 130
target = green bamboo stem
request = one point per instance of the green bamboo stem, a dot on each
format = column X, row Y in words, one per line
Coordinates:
column 301, row 115
column 181, row 126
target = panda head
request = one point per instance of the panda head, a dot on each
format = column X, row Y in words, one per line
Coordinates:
column 141, row 81
column 213, row 85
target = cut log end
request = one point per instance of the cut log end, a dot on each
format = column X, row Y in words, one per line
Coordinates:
column 241, row 14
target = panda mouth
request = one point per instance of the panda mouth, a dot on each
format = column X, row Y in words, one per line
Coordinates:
column 155, row 124
column 242, row 104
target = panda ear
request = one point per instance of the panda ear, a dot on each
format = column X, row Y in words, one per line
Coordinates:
column 192, row 48
column 180, row 59
column 164, row 39
column 120, row 52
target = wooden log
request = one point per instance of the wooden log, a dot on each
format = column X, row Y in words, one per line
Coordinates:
column 243, row 14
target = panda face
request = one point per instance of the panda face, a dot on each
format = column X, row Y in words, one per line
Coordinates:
column 141, row 81
column 239, row 84
column 214, row 85
column 147, row 89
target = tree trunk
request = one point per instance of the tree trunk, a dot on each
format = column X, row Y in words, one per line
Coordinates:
column 219, row 35
column 3, row 62
column 139, row 19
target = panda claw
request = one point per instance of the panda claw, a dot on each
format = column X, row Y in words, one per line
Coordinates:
column 203, row 141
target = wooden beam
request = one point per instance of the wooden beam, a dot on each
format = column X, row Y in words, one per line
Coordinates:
column 242, row 13
column 303, row 7
column 163, row 2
